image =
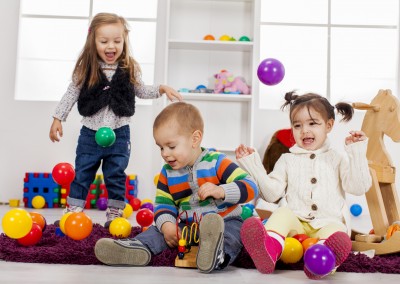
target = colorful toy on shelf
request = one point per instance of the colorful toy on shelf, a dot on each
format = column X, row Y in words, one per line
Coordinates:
column 105, row 136
column 226, row 83
column 224, row 38
column 244, row 38
column 209, row 37
column 270, row 71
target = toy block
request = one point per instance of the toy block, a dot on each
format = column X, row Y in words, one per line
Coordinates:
column 41, row 184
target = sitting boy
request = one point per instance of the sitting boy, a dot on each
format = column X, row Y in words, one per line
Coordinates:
column 195, row 180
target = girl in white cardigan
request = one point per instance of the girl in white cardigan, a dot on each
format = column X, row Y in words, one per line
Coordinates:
column 312, row 180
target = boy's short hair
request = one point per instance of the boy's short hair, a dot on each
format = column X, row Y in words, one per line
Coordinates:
column 187, row 116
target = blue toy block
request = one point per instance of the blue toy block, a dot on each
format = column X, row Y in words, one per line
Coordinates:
column 41, row 184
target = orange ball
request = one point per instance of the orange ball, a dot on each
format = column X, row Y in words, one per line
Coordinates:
column 209, row 37
column 38, row 219
column 78, row 226
column 309, row 242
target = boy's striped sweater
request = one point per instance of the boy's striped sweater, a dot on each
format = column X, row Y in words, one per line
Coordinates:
column 177, row 189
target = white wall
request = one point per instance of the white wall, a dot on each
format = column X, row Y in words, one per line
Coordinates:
column 24, row 127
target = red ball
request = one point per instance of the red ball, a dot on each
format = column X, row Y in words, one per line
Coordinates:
column 63, row 173
column 33, row 237
column 145, row 217
column 135, row 203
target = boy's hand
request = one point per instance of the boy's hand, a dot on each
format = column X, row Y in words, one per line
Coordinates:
column 243, row 151
column 355, row 136
column 56, row 131
column 211, row 190
column 169, row 231
column 171, row 93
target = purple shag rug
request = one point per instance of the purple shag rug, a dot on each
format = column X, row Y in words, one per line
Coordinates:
column 63, row 250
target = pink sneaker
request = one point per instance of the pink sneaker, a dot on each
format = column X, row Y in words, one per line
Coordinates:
column 263, row 249
column 340, row 244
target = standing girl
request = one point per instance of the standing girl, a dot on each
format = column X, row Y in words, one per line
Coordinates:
column 312, row 180
column 106, row 80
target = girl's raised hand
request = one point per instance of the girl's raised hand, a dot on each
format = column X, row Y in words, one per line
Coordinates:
column 171, row 93
column 243, row 151
column 355, row 136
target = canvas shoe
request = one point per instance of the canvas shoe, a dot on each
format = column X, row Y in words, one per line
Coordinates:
column 111, row 214
column 124, row 252
column 69, row 208
column 263, row 249
column 210, row 255
column 340, row 245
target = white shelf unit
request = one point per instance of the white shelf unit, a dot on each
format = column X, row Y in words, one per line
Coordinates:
column 190, row 61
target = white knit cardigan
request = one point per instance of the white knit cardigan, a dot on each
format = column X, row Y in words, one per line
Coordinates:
column 313, row 183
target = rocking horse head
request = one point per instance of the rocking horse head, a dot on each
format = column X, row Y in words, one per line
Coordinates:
column 382, row 118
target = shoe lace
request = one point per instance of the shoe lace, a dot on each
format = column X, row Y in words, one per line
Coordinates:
column 113, row 213
column 73, row 208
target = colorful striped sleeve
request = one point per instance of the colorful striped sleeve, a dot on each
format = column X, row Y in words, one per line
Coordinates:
column 239, row 186
column 165, row 208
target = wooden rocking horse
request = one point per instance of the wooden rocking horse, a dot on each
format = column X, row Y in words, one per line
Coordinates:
column 382, row 117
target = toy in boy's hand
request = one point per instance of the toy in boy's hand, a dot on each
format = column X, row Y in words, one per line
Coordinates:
column 226, row 83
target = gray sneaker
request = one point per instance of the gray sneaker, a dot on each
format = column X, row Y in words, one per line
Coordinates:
column 210, row 255
column 125, row 252
column 111, row 214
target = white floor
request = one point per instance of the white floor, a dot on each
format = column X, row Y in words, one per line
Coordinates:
column 11, row 272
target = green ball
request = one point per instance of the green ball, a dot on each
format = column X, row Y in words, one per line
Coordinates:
column 246, row 212
column 105, row 136
column 244, row 38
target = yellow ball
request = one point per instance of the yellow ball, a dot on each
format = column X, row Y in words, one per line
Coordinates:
column 225, row 37
column 156, row 177
column 62, row 221
column 146, row 200
column 17, row 223
column 120, row 228
column 182, row 242
column 38, row 202
column 128, row 210
column 292, row 252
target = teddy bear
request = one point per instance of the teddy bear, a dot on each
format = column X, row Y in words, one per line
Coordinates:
column 226, row 83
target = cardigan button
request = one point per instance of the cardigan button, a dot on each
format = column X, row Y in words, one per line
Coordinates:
column 313, row 180
column 314, row 207
column 312, row 156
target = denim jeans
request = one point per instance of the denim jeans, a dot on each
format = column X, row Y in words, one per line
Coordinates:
column 154, row 240
column 114, row 160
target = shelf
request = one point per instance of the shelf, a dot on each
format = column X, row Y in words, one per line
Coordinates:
column 216, row 97
column 211, row 45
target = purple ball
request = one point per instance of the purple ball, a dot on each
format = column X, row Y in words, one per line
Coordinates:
column 148, row 205
column 319, row 259
column 270, row 71
column 102, row 203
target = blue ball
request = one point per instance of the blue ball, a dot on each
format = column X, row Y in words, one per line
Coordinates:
column 251, row 206
column 356, row 210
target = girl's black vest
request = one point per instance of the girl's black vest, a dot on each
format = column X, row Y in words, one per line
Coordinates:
column 118, row 94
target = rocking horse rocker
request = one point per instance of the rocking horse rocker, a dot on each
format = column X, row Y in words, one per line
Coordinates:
column 382, row 117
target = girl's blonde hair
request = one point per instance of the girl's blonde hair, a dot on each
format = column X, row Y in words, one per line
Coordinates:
column 87, row 66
